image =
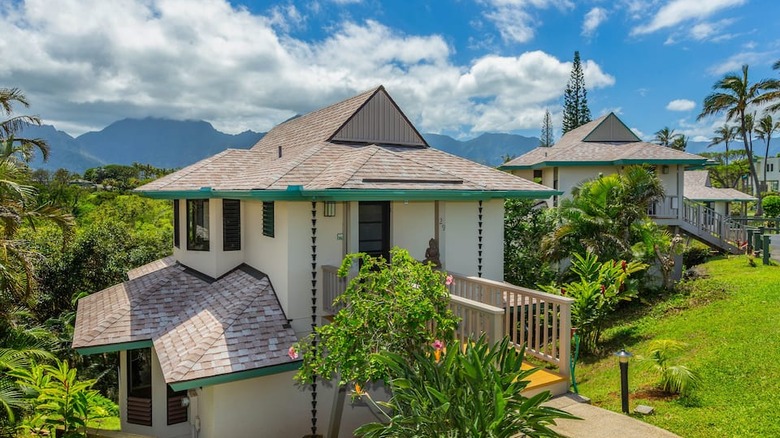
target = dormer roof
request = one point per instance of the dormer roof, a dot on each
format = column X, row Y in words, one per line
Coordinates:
column 358, row 149
column 604, row 141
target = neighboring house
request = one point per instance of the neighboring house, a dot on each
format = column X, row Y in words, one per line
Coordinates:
column 772, row 172
column 604, row 146
column 255, row 233
column 698, row 188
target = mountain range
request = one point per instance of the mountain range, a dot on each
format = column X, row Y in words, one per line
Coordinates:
column 177, row 143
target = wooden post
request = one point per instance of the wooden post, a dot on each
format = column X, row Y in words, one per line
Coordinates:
column 564, row 340
column 749, row 241
column 337, row 411
column 766, row 249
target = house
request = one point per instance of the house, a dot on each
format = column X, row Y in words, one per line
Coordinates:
column 772, row 167
column 203, row 335
column 698, row 188
column 604, row 146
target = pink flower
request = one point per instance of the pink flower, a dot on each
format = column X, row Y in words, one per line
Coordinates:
column 449, row 280
column 292, row 352
column 438, row 345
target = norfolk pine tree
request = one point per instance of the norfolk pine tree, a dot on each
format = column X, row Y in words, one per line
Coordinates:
column 575, row 99
column 547, row 138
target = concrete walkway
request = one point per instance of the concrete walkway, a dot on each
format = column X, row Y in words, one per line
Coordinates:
column 601, row 423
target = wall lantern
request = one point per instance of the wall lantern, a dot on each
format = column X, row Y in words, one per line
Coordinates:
column 623, row 357
column 665, row 169
column 330, row 208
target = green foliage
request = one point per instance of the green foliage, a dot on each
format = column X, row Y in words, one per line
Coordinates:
column 389, row 306
column 58, row 399
column 674, row 379
column 771, row 206
column 124, row 177
column 596, row 293
column 524, row 228
column 603, row 215
column 695, row 254
column 471, row 393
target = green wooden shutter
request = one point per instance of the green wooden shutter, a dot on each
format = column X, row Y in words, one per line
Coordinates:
column 176, row 227
column 268, row 219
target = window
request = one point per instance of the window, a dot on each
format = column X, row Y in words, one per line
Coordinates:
column 770, row 167
column 268, row 219
column 177, row 411
column 231, row 225
column 139, row 386
column 198, row 224
column 176, row 230
column 374, row 228
column 538, row 176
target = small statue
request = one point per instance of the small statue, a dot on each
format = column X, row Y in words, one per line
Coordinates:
column 432, row 254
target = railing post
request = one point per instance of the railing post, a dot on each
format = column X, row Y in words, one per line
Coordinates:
column 565, row 341
column 497, row 327
column 765, row 253
column 749, row 241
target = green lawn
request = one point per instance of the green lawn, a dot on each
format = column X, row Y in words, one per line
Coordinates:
column 731, row 322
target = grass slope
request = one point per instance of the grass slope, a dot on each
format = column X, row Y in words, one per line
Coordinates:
column 731, row 323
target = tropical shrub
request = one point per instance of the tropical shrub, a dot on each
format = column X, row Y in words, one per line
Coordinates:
column 58, row 399
column 399, row 307
column 525, row 226
column 771, row 206
column 456, row 392
column 674, row 379
column 599, row 287
column 694, row 255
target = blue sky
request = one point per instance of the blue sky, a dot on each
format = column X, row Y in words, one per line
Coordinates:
column 459, row 67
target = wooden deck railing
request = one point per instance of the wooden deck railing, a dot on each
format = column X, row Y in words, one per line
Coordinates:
column 537, row 319
column 707, row 219
column 540, row 320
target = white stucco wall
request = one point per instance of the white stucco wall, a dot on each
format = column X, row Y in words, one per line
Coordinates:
column 412, row 225
column 458, row 231
column 159, row 426
column 267, row 254
column 273, row 406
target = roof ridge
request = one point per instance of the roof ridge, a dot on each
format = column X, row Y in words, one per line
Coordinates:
column 181, row 369
column 462, row 177
column 357, row 155
column 296, row 161
column 189, row 169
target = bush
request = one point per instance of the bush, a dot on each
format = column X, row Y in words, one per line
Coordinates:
column 771, row 206
column 695, row 255
column 471, row 393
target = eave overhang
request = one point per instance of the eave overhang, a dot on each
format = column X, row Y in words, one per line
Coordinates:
column 691, row 163
column 353, row 194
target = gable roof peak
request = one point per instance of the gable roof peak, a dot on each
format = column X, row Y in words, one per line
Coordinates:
column 610, row 129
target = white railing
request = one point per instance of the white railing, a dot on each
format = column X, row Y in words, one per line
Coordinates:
column 663, row 209
column 714, row 223
column 539, row 320
column 332, row 287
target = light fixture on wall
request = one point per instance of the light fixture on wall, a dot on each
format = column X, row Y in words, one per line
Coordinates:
column 330, row 208
column 665, row 170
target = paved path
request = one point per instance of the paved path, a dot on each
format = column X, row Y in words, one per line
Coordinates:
column 601, row 423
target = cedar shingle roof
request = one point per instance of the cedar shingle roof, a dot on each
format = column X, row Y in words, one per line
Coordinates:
column 697, row 188
column 199, row 328
column 573, row 148
column 310, row 159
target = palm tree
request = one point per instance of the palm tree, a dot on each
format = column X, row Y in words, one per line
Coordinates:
column 680, row 142
column 24, row 147
column 665, row 136
column 724, row 134
column 766, row 126
column 734, row 94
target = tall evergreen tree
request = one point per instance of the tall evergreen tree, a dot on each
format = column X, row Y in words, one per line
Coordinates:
column 547, row 138
column 575, row 99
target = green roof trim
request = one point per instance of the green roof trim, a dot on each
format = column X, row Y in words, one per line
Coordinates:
column 693, row 162
column 233, row 377
column 353, row 194
column 111, row 348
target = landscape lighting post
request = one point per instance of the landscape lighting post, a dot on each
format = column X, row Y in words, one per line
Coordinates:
column 623, row 357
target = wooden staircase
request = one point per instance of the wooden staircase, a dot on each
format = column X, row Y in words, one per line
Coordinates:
column 709, row 227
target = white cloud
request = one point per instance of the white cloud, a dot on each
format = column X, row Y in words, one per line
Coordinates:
column 514, row 20
column 681, row 105
column 241, row 71
column 735, row 62
column 593, row 20
column 678, row 11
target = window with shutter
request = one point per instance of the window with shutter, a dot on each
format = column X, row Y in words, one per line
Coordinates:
column 231, row 225
column 268, row 219
column 176, row 227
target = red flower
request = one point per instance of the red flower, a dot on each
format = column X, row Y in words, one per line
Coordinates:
column 563, row 291
column 623, row 265
column 603, row 290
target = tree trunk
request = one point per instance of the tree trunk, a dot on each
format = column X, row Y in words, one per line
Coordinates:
column 753, row 173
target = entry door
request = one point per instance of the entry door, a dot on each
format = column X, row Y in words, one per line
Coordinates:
column 374, row 228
